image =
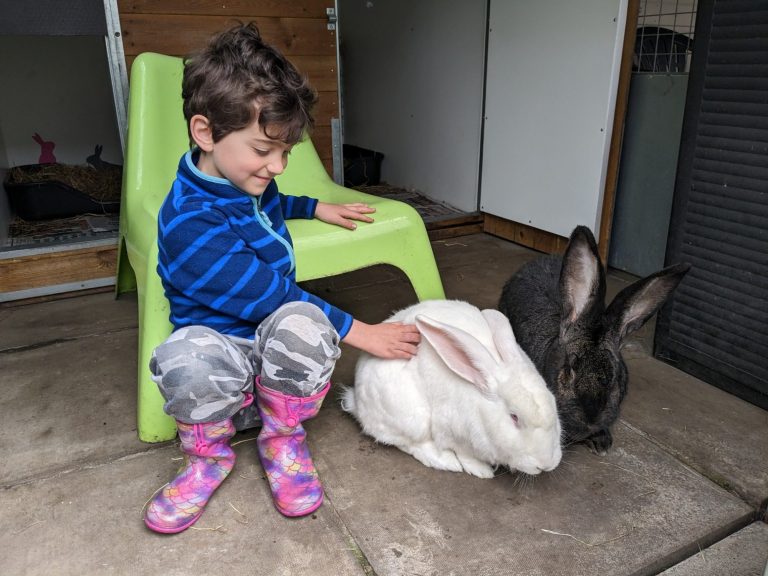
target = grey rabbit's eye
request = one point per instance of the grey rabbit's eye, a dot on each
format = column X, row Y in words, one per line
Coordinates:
column 566, row 376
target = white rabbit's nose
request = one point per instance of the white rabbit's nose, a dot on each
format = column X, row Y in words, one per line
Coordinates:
column 530, row 469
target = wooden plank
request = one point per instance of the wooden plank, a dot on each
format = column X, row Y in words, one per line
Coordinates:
column 473, row 218
column 180, row 34
column 327, row 107
column 454, row 231
column 525, row 235
column 328, row 163
column 56, row 268
column 320, row 70
column 322, row 138
column 253, row 8
column 617, row 136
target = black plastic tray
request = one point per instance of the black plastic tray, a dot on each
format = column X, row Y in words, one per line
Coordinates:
column 51, row 199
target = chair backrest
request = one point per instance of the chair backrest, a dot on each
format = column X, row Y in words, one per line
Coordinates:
column 157, row 136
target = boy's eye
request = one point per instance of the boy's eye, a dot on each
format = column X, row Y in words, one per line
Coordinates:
column 261, row 152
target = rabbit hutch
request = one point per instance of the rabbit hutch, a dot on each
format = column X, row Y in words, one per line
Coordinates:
column 60, row 151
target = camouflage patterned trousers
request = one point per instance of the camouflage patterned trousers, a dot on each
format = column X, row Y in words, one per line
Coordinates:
column 204, row 375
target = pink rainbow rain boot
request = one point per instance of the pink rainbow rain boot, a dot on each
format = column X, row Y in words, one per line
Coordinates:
column 209, row 460
column 283, row 450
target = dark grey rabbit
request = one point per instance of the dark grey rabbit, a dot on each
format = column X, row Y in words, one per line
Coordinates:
column 556, row 305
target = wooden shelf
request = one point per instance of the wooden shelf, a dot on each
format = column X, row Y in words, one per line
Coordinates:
column 67, row 268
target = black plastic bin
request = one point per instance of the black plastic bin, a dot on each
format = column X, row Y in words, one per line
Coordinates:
column 45, row 199
column 362, row 167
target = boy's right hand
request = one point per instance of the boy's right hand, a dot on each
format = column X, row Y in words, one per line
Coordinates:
column 386, row 340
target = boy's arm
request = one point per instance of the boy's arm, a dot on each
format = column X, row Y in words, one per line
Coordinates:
column 297, row 206
column 210, row 264
column 344, row 215
column 385, row 340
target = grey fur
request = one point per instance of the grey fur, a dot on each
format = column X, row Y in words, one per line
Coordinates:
column 556, row 306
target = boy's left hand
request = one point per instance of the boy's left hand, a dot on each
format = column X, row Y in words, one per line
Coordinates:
column 344, row 214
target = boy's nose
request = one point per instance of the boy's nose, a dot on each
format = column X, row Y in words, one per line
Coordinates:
column 277, row 166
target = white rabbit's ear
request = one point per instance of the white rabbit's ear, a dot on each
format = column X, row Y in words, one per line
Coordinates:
column 460, row 351
column 503, row 336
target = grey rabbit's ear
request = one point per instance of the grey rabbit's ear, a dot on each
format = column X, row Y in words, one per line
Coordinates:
column 634, row 305
column 582, row 279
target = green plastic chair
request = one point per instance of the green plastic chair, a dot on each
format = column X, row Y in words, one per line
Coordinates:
column 157, row 137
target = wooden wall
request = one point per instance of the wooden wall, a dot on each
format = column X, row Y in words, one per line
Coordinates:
column 298, row 28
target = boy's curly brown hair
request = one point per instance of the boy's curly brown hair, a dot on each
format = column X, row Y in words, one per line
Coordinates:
column 238, row 76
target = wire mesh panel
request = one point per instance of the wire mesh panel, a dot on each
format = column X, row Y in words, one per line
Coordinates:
column 664, row 40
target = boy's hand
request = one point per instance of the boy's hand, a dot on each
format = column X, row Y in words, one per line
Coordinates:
column 386, row 340
column 344, row 214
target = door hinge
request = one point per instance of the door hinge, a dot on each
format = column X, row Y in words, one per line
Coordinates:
column 331, row 13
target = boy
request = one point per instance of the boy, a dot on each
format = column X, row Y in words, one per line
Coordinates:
column 227, row 266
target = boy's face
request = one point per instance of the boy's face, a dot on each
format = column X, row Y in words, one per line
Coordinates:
column 248, row 158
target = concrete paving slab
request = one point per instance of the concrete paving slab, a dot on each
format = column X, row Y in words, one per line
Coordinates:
column 460, row 262
column 89, row 522
column 58, row 320
column 68, row 403
column 715, row 432
column 744, row 553
column 635, row 511
column 475, row 268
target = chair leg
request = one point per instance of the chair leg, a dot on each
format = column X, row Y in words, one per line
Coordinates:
column 425, row 280
column 154, row 425
column 126, row 279
column 420, row 267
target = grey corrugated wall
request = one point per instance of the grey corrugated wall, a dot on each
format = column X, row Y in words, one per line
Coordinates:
column 716, row 325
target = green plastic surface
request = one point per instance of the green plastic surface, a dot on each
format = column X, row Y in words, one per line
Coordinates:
column 157, row 137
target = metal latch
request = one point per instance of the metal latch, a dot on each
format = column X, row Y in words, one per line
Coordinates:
column 331, row 13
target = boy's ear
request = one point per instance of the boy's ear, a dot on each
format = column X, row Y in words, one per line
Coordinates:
column 201, row 132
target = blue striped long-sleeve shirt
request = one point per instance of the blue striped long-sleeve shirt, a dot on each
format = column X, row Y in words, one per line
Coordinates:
column 226, row 258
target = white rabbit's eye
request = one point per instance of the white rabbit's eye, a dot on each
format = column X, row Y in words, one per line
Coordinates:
column 514, row 418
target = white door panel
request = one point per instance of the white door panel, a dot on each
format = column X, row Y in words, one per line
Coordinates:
column 550, row 93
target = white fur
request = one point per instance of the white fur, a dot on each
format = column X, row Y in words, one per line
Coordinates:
column 450, row 406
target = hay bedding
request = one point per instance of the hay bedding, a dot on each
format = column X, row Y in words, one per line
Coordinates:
column 103, row 184
column 429, row 210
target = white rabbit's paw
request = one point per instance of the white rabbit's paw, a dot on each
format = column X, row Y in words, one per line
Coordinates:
column 475, row 467
column 429, row 455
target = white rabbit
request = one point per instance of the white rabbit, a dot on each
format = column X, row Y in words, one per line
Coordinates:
column 469, row 400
